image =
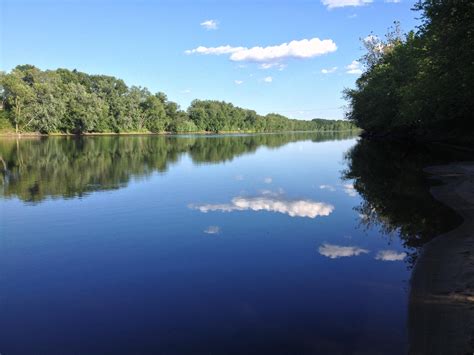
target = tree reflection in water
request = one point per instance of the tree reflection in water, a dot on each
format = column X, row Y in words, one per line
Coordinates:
column 395, row 192
column 34, row 169
column 396, row 197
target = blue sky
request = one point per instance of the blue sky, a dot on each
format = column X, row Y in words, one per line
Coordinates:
column 145, row 43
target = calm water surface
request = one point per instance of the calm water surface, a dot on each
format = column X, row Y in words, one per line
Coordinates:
column 203, row 245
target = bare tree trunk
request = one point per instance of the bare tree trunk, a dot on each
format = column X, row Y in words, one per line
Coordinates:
column 17, row 106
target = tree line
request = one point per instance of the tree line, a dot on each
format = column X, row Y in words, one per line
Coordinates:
column 65, row 101
column 423, row 81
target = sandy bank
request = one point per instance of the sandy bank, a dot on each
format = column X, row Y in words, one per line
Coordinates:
column 441, row 314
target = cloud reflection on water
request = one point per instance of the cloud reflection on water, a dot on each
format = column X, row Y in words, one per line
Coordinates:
column 212, row 230
column 390, row 255
column 333, row 251
column 271, row 202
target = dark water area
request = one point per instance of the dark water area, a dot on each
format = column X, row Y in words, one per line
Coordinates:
column 297, row 243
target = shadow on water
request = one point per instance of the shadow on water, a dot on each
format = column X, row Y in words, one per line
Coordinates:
column 396, row 196
column 67, row 167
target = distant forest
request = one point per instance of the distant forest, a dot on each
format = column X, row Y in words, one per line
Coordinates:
column 421, row 82
column 64, row 101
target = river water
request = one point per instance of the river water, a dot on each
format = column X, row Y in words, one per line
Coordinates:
column 296, row 243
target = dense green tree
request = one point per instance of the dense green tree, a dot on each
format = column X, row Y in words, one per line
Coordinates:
column 86, row 112
column 17, row 95
column 421, row 82
column 156, row 119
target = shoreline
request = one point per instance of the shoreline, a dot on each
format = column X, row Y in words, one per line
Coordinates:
column 458, row 140
column 203, row 133
column 441, row 315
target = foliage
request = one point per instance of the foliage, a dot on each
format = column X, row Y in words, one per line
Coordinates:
column 422, row 81
column 5, row 122
column 64, row 101
column 217, row 116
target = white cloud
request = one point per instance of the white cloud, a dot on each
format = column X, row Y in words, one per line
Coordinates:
column 329, row 70
column 393, row 1
column 331, row 4
column 305, row 48
column 278, row 66
column 186, row 91
column 390, row 255
column 238, row 82
column 295, row 49
column 354, row 68
column 209, row 24
column 337, row 251
column 350, row 190
column 352, row 16
column 212, row 230
column 276, row 193
column 268, row 180
column 271, row 202
column 327, row 187
column 268, row 79
column 214, row 50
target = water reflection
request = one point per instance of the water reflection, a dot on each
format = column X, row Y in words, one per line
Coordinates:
column 395, row 191
column 271, row 202
column 212, row 230
column 390, row 255
column 178, row 280
column 396, row 198
column 35, row 169
column 338, row 251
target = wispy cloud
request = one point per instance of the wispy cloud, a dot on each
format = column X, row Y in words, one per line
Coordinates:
column 331, row 4
column 354, row 68
column 186, row 91
column 327, row 187
column 238, row 82
column 303, row 49
column 333, row 251
column 212, row 230
column 390, row 255
column 278, row 66
column 210, row 24
column 268, row 180
column 329, row 70
column 268, row 79
column 214, row 50
column 271, row 202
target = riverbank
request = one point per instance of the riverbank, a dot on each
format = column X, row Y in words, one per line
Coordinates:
column 460, row 138
column 441, row 319
column 37, row 134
